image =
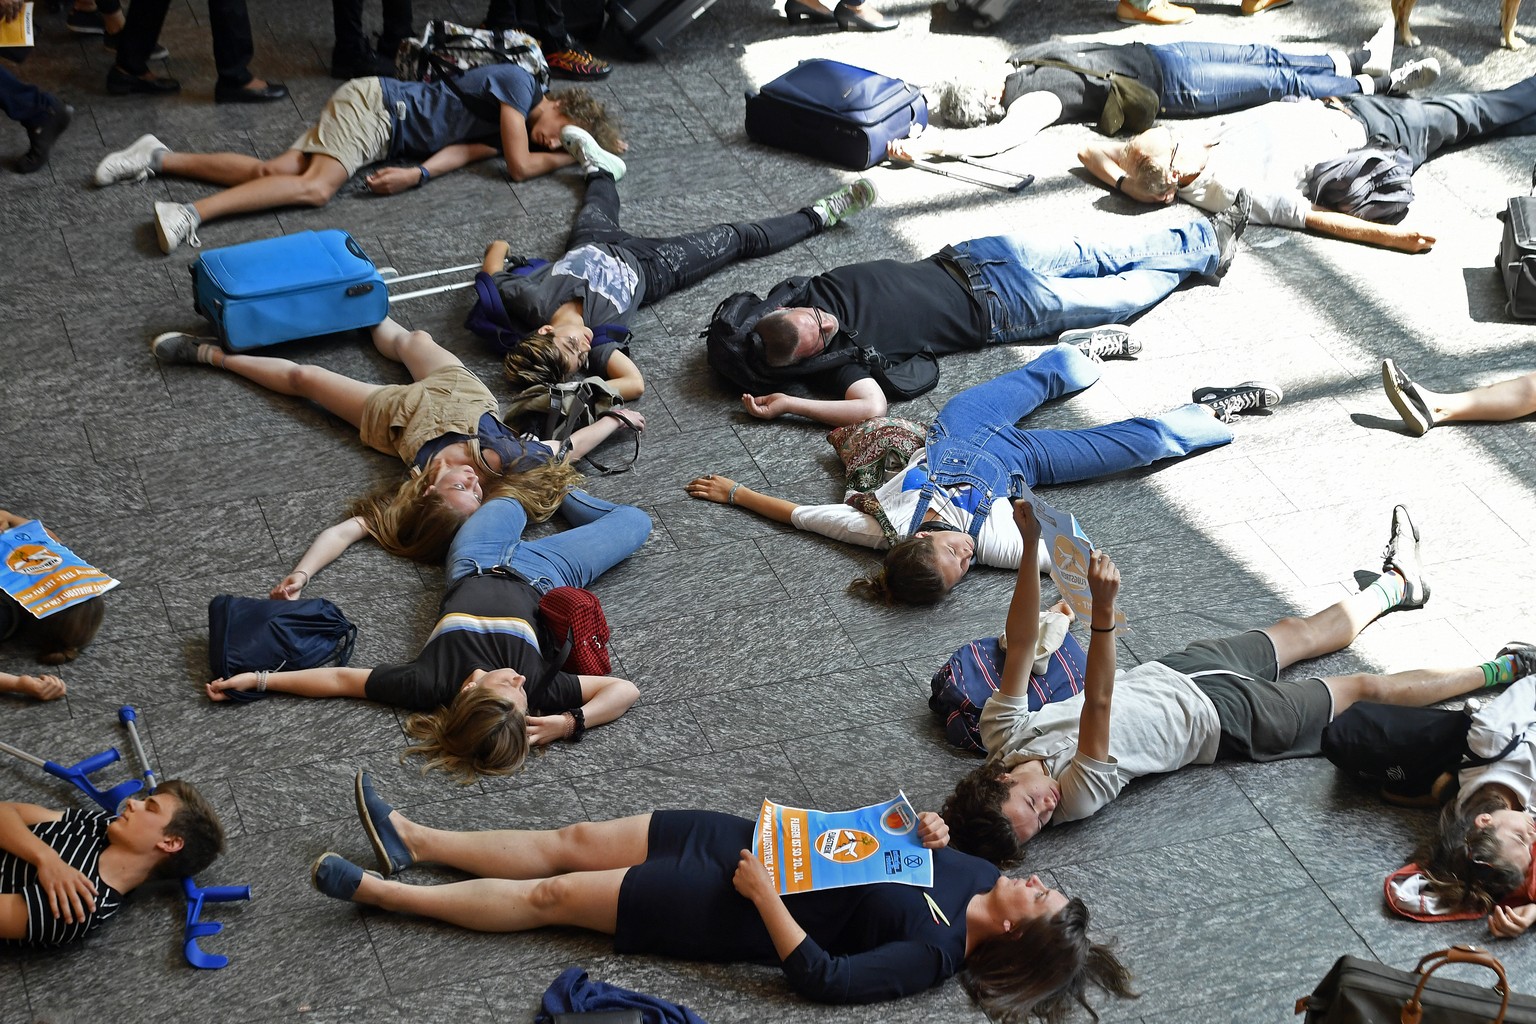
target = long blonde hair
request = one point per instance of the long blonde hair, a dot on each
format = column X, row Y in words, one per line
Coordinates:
column 413, row 522
column 479, row 733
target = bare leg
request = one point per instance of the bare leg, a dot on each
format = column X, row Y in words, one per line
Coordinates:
column 416, row 349
column 230, row 169
column 1506, row 400
column 332, row 391
column 1414, row 688
column 587, row 899
column 1332, row 629
column 524, row 854
column 314, row 187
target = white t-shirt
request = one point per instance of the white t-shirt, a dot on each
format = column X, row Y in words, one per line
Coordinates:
column 999, row 544
column 1159, row 721
column 1513, row 713
column 1269, row 150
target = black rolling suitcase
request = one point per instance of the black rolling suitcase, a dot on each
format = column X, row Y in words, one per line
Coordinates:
column 1517, row 254
column 650, row 25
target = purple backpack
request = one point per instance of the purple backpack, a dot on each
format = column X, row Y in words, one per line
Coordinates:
column 972, row 674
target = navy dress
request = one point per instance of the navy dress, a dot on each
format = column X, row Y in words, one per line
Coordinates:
column 863, row 943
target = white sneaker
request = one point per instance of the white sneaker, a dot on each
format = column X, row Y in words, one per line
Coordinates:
column 1416, row 74
column 131, row 164
column 580, row 144
column 1378, row 51
column 174, row 224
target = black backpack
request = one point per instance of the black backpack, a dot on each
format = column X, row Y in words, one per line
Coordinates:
column 1402, row 750
column 254, row 634
column 736, row 353
column 1374, row 182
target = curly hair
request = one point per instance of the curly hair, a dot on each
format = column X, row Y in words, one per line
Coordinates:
column 1151, row 175
column 907, row 575
column 974, row 814
column 1042, row 967
column 536, row 360
column 962, row 102
column 479, row 733
column 1462, row 864
column 584, row 110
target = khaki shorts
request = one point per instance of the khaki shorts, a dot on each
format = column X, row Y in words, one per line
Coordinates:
column 354, row 129
column 399, row 418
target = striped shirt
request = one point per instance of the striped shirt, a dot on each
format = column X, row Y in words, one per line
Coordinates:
column 78, row 838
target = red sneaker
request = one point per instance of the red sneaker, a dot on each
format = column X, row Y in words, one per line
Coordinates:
column 578, row 64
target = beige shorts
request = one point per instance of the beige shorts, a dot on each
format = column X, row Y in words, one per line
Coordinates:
column 399, row 418
column 354, row 129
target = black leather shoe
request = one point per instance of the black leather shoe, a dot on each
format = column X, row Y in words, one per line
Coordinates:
column 43, row 136
column 121, row 83
column 245, row 94
column 794, row 10
column 850, row 21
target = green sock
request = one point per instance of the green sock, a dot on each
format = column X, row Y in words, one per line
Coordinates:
column 1499, row 671
column 1389, row 588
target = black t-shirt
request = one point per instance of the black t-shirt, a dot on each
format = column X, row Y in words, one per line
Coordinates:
column 1082, row 98
column 898, row 309
column 490, row 622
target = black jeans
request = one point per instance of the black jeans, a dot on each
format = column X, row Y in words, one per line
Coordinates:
column 682, row 260
column 351, row 42
column 24, row 102
column 542, row 18
column 228, row 20
column 1426, row 126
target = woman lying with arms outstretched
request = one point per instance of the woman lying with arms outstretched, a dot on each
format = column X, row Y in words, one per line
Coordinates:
column 683, row 884
column 443, row 426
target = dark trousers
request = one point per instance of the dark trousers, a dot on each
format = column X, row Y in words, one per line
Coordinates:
column 23, row 101
column 229, row 21
column 682, row 260
column 1426, row 126
column 542, row 18
column 347, row 16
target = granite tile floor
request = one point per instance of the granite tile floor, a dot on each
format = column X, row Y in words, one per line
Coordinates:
column 1231, row 887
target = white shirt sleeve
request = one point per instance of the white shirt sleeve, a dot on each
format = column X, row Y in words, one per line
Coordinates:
column 840, row 522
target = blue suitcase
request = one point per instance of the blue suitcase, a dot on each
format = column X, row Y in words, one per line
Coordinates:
column 295, row 286
column 834, row 111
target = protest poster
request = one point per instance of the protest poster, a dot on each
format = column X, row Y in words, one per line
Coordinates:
column 804, row 849
column 1070, row 550
column 44, row 576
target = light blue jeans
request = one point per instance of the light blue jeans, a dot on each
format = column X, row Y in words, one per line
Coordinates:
column 1032, row 288
column 602, row 535
column 1200, row 79
column 976, row 439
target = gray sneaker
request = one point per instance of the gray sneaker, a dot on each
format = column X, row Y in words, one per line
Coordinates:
column 1405, row 398
column 580, row 144
column 131, row 164
column 1524, row 655
column 178, row 348
column 1412, row 76
column 1402, row 555
column 1249, row 396
column 175, row 223
column 845, row 202
column 1109, row 341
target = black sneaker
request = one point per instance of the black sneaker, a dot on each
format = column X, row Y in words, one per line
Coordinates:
column 1230, row 225
column 121, row 83
column 1249, row 396
column 42, row 136
column 1405, row 398
column 1402, row 555
column 1524, row 655
column 86, row 23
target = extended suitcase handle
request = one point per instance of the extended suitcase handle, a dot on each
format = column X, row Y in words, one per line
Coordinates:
column 1413, row 1009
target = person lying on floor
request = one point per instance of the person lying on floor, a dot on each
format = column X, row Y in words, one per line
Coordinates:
column 1422, row 409
column 57, row 639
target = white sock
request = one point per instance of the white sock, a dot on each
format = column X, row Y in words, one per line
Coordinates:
column 1341, row 64
column 1367, row 85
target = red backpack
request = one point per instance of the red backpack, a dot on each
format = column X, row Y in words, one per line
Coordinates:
column 574, row 618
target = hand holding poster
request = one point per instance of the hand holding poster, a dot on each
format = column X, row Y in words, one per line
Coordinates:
column 1070, row 550
column 43, row 575
column 805, row 850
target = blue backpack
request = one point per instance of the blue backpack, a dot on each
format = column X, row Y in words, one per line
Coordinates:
column 972, row 674
column 252, row 634
column 488, row 317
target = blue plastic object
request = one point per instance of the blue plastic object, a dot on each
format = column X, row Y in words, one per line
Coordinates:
column 79, row 775
column 199, row 929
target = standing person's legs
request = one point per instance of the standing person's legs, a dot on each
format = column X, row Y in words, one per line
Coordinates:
column 1034, row 289
column 603, row 534
column 145, row 20
column 598, row 218
column 230, row 23
column 1425, row 126
column 23, row 101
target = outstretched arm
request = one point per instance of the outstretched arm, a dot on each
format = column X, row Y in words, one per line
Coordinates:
column 1099, row 684
column 1356, row 229
column 523, row 163
column 44, row 687
column 625, row 377
column 1024, row 610
column 386, row 181
column 323, row 550
column 1027, row 116
column 862, row 401
column 335, row 681
column 722, row 490
column 604, row 698
column 594, row 434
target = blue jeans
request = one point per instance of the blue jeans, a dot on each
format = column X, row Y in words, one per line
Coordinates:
column 1424, row 127
column 976, row 440
column 1213, row 78
column 23, row 101
column 602, row 535
column 1032, row 288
